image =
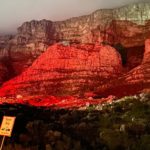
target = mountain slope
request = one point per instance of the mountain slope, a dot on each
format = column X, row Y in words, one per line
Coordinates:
column 135, row 81
column 128, row 25
column 66, row 70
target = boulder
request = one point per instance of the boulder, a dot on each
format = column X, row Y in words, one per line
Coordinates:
column 66, row 70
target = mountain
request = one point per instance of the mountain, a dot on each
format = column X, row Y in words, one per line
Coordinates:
column 135, row 81
column 66, row 70
column 3, row 73
column 102, row 52
column 128, row 25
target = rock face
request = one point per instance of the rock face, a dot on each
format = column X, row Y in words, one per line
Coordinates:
column 81, row 67
column 66, row 70
column 5, row 65
column 23, row 48
column 128, row 25
column 146, row 58
column 3, row 73
column 137, row 80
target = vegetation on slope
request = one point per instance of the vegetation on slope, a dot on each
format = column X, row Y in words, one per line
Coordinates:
column 121, row 125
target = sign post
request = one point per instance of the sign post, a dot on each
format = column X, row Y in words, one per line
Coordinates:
column 6, row 128
column 2, row 143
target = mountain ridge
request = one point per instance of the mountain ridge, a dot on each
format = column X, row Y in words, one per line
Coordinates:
column 129, row 26
column 25, row 36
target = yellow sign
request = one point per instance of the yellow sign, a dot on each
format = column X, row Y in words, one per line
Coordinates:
column 7, row 126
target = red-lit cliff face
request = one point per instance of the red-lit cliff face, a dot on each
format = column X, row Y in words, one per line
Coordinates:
column 146, row 58
column 135, row 81
column 66, row 70
column 128, row 25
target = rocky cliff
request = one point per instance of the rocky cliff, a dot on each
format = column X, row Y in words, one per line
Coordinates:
column 3, row 73
column 66, row 70
column 135, row 81
column 128, row 25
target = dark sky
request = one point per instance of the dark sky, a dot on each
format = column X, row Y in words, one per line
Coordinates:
column 14, row 12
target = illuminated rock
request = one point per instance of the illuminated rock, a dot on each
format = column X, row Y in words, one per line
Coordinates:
column 133, row 82
column 66, row 70
column 128, row 25
column 146, row 58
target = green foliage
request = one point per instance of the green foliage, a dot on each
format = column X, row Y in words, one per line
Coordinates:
column 144, row 143
column 122, row 125
column 37, row 130
column 115, row 140
column 91, row 108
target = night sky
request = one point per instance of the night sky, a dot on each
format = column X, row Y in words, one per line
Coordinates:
column 14, row 12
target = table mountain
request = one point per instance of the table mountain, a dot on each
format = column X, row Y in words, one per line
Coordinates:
column 128, row 25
